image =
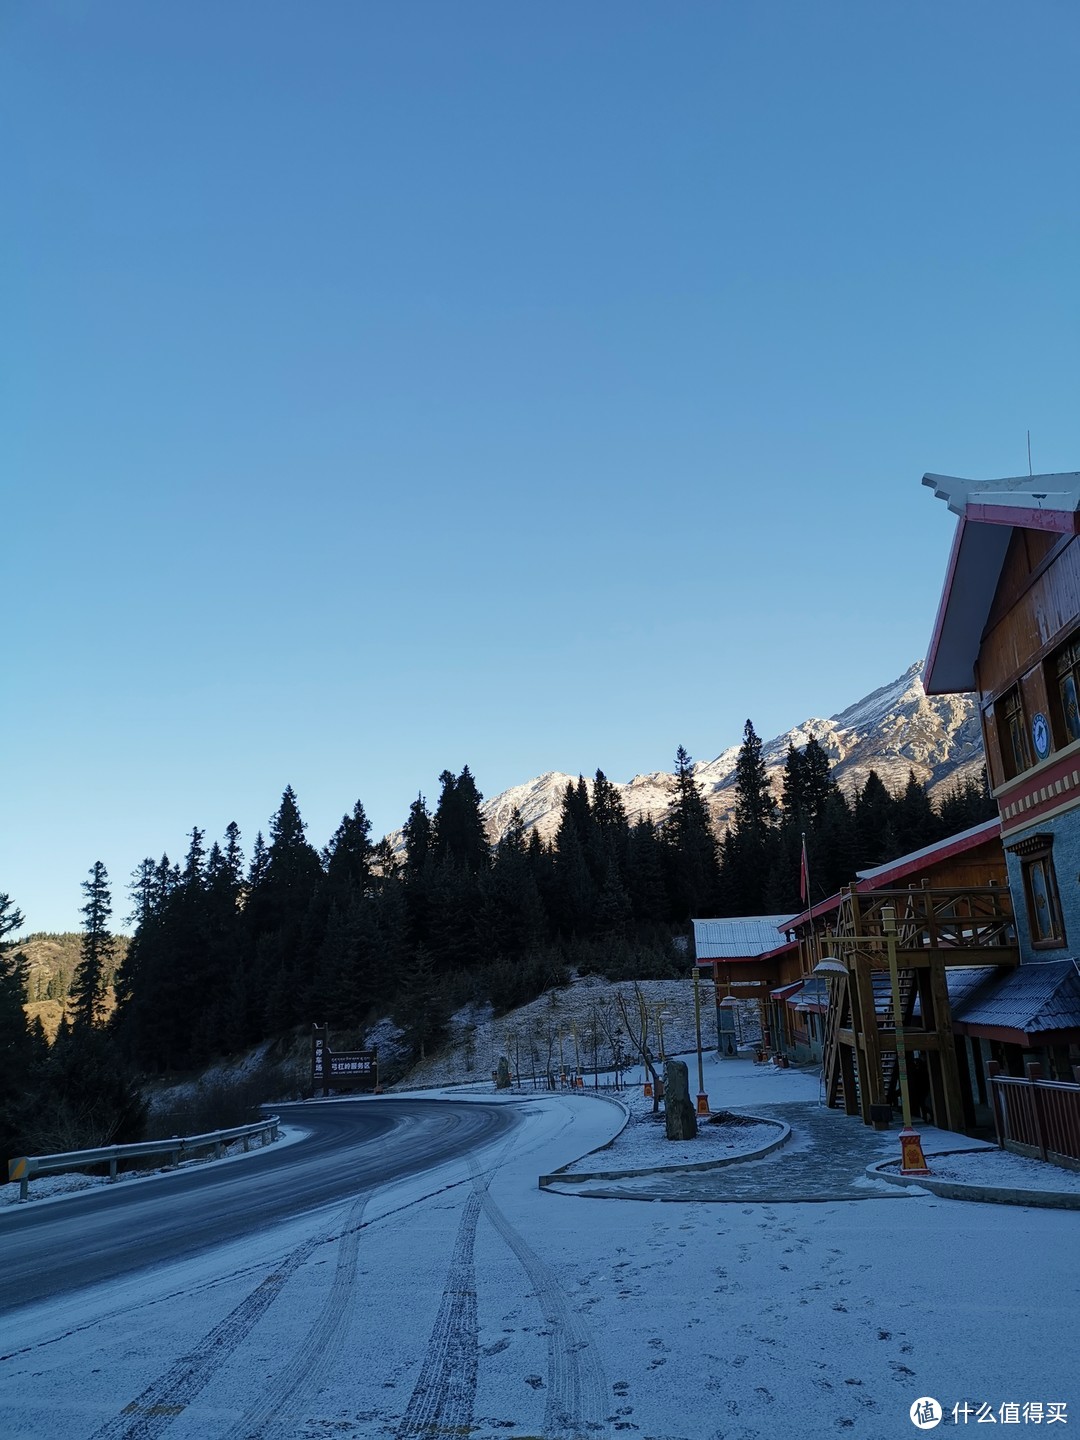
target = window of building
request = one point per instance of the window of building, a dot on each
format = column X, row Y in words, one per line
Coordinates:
column 1036, row 857
column 1012, row 733
column 1065, row 668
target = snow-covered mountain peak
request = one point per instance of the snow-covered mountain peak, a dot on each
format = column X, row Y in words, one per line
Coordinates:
column 894, row 730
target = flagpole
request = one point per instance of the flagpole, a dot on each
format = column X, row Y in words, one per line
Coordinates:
column 804, row 890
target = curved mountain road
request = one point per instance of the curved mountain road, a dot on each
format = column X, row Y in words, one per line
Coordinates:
column 49, row 1250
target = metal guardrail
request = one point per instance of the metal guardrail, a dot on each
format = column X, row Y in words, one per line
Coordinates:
column 26, row 1167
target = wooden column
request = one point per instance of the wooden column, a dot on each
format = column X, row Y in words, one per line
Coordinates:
column 868, row 1046
column 950, row 1073
column 846, row 1057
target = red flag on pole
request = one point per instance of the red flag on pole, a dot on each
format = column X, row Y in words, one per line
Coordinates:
column 804, row 875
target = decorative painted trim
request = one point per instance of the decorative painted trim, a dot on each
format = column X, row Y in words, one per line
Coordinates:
column 1047, row 790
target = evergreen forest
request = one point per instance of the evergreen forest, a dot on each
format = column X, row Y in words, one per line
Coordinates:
column 229, row 948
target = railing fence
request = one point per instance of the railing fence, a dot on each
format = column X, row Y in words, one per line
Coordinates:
column 1037, row 1117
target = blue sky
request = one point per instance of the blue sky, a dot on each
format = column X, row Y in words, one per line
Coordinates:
column 394, row 386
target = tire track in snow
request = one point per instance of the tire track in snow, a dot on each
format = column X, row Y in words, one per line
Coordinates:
column 442, row 1399
column 273, row 1415
column 159, row 1404
column 577, row 1398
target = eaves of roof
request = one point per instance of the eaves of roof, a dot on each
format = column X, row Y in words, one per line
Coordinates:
column 1032, row 1000
column 882, row 877
column 989, row 511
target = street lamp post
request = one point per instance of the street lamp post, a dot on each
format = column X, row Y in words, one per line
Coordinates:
column 702, row 1098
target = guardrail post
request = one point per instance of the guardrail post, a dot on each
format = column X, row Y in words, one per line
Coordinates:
column 993, row 1070
column 112, row 1169
column 1034, row 1075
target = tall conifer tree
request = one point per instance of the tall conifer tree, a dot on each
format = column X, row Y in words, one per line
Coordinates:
column 88, row 986
column 691, row 847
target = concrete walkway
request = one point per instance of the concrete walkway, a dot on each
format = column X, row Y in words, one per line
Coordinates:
column 825, row 1159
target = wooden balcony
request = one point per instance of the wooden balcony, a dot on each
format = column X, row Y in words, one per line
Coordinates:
column 962, row 927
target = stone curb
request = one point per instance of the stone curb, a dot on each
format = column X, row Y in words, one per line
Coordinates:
column 559, row 1177
column 988, row 1194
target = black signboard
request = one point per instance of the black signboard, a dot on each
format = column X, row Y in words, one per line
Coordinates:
column 342, row 1069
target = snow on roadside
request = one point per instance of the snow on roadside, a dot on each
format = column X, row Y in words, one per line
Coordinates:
column 644, row 1144
column 59, row 1187
column 1001, row 1167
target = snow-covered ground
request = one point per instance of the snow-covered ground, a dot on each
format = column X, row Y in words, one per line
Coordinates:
column 470, row 1302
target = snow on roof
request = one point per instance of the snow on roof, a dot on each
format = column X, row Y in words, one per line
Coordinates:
column 989, row 511
column 1033, row 998
column 737, row 938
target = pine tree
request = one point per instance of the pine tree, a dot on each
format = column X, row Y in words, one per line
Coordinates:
column 808, row 789
column 573, row 891
column 275, row 915
column 755, row 805
column 609, row 841
column 419, row 865
column 750, row 851
column 511, row 920
column 216, row 1030
column 836, row 859
column 916, row 823
column 458, row 833
column 645, row 874
column 691, row 847
column 17, row 1048
column 418, row 837
column 964, row 804
column 145, row 974
column 348, row 856
column 421, row 1010
column 88, row 987
column 876, row 816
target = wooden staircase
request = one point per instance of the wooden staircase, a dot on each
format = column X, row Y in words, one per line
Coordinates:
column 933, row 929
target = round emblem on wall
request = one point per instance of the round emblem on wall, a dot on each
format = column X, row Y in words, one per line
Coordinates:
column 1040, row 735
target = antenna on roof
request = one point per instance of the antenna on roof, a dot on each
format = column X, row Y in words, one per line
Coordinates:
column 1030, row 471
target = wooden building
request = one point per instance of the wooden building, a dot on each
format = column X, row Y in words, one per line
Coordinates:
column 730, row 952
column 952, row 912
column 1008, row 628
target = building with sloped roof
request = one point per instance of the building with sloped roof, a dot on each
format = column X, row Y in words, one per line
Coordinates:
column 1008, row 629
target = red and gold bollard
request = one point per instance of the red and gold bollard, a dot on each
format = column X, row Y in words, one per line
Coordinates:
column 912, row 1159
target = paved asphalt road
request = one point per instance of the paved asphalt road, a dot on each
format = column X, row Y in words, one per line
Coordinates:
column 48, row 1250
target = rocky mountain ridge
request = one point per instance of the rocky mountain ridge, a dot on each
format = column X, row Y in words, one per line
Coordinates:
column 894, row 730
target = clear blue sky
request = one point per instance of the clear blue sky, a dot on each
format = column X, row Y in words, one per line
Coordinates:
column 393, row 386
